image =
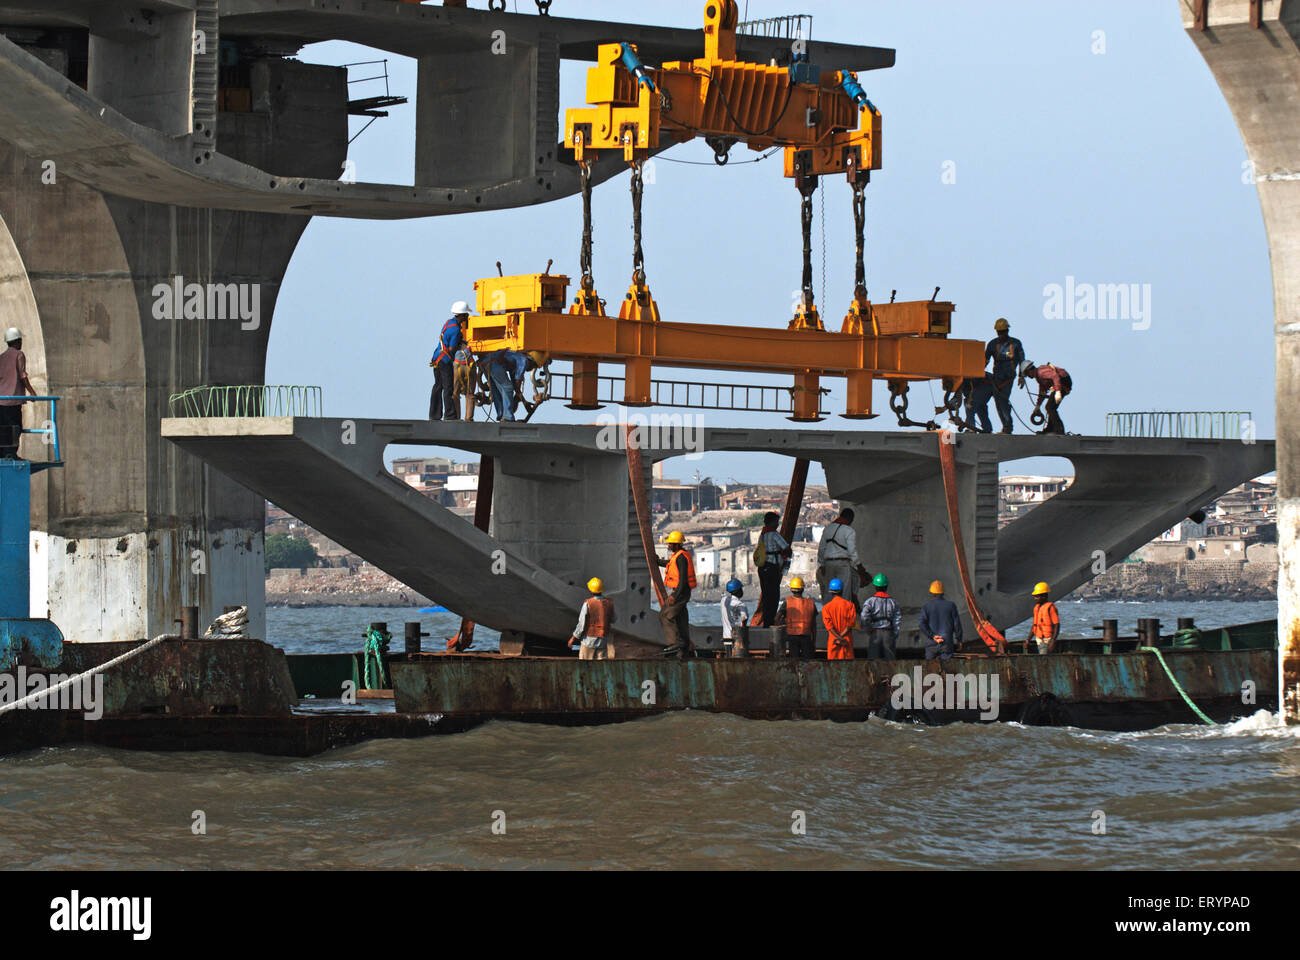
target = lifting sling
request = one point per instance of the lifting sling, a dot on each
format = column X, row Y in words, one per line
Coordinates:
column 990, row 634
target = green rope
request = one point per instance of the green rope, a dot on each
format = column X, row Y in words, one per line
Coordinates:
column 376, row 646
column 1177, row 686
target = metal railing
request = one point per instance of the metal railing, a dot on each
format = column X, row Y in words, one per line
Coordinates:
column 692, row 394
column 52, row 430
column 257, row 400
column 796, row 26
column 1185, row 424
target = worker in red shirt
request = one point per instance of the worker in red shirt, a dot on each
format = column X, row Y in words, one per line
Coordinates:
column 1054, row 385
column 840, row 617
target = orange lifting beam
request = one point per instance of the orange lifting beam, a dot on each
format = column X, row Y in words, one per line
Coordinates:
column 915, row 348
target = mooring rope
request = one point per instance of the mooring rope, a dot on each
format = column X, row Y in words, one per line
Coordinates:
column 50, row 691
column 1177, row 686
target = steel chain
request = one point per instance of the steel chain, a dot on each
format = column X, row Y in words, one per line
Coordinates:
column 860, row 230
column 638, row 258
column 807, row 188
column 584, row 256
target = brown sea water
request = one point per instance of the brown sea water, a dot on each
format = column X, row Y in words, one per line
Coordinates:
column 687, row 790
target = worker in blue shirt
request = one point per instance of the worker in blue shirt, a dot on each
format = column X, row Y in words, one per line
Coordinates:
column 442, row 401
column 940, row 624
column 1007, row 355
column 506, row 370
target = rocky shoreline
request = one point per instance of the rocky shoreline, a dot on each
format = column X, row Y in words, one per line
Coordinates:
column 1191, row 580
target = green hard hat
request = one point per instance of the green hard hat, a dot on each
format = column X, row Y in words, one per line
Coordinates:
column 880, row 580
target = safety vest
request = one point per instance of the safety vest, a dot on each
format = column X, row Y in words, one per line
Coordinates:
column 799, row 616
column 670, row 575
column 442, row 342
column 600, row 611
column 1045, row 618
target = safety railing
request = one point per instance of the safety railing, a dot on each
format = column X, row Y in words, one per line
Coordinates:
column 1180, row 424
column 796, row 26
column 691, row 394
column 50, row 427
column 254, row 400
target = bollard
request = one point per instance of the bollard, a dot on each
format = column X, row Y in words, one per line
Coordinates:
column 189, row 621
column 413, row 635
column 1109, row 633
column 1149, row 631
column 1186, row 623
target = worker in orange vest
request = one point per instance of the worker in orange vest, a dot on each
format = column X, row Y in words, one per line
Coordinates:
column 798, row 614
column 595, row 618
column 840, row 617
column 679, row 579
column 1047, row 621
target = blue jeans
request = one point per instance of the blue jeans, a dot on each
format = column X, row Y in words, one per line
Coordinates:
column 1002, row 398
column 980, row 395
column 503, row 392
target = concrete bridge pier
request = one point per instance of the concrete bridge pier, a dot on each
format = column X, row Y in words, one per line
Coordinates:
column 1253, row 49
column 132, row 528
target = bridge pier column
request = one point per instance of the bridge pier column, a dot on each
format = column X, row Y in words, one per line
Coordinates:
column 1256, row 61
column 132, row 528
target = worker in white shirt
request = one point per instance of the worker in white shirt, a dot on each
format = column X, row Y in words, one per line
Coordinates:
column 595, row 621
column 837, row 557
column 735, row 620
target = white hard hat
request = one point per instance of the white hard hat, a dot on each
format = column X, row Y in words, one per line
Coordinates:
column 12, row 334
column 459, row 307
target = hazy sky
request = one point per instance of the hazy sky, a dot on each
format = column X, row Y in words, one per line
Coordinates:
column 1114, row 167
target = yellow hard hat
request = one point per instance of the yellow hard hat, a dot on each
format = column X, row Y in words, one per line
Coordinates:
column 936, row 587
column 538, row 357
column 796, row 583
column 595, row 585
column 1001, row 324
column 1041, row 588
column 674, row 537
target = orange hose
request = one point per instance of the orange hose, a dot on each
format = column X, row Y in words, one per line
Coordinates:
column 990, row 634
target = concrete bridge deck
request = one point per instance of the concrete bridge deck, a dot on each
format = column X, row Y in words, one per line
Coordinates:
column 562, row 511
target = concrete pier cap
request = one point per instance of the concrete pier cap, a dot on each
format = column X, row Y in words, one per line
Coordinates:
column 1253, row 49
column 562, row 509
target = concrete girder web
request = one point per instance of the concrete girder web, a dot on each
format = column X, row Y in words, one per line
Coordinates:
column 560, row 512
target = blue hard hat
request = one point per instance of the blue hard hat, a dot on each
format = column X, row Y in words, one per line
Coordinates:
column 733, row 585
column 836, row 585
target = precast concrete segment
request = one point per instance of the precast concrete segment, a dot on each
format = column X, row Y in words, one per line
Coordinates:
column 486, row 116
column 1258, row 71
column 561, row 506
column 48, row 116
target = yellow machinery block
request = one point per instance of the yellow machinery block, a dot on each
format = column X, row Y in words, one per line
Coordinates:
column 533, row 292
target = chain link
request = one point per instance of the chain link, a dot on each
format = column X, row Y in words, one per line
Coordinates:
column 584, row 256
column 807, row 188
column 860, row 229
column 638, row 257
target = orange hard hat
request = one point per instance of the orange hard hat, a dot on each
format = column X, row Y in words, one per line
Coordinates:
column 936, row 587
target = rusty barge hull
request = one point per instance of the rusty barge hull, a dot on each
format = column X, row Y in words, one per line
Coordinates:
column 1105, row 692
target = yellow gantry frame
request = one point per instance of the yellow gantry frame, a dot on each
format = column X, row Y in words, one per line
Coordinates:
column 824, row 131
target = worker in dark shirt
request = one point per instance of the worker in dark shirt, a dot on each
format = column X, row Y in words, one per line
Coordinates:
column 1007, row 355
column 940, row 624
column 679, row 578
column 1054, row 385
